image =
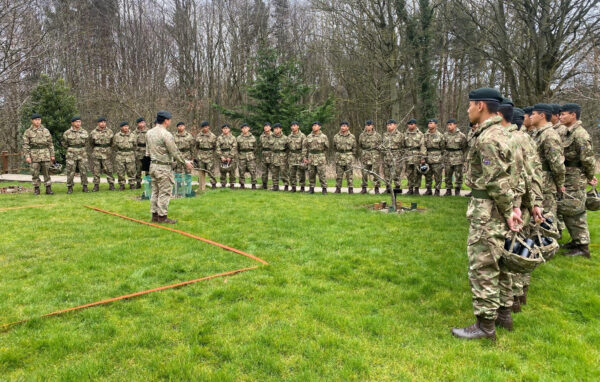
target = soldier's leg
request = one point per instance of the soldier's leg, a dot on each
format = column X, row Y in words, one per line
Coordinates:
column 121, row 171
column 448, row 171
column 312, row 175
column 293, row 171
column 222, row 174
column 252, row 171
column 264, row 177
column 155, row 189
column 165, row 188
column 438, row 176
column 45, row 171
column 232, row 173
column 517, row 284
column 387, row 173
column 303, row 175
column 275, row 175
column 108, row 166
column 339, row 175
column 138, row 170
column 83, row 170
column 284, row 175
column 429, row 177
column 242, row 168
column 322, row 177
column 71, row 164
column 458, row 170
column 506, row 293
column 35, row 173
column 365, row 175
column 96, row 169
column 578, row 228
column 130, row 167
column 210, row 167
column 397, row 176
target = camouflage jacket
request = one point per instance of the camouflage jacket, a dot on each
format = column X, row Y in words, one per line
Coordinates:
column 101, row 141
column 561, row 130
column 37, row 144
column 345, row 148
column 488, row 171
column 266, row 145
column 75, row 141
column 186, row 144
column 531, row 175
column 470, row 138
column 579, row 156
column 206, row 145
column 369, row 143
column 246, row 146
column 435, row 143
column 279, row 149
column 456, row 147
column 295, row 142
column 414, row 144
column 140, row 140
column 315, row 148
column 550, row 151
column 226, row 146
column 124, row 147
column 161, row 147
column 392, row 147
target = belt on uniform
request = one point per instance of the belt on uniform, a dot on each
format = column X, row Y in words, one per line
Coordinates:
column 106, row 145
column 124, row 150
column 161, row 162
column 480, row 194
column 369, row 148
column 225, row 150
column 434, row 149
column 141, row 145
column 246, row 150
column 569, row 163
column 295, row 151
column 184, row 150
column 414, row 148
column 449, row 149
column 205, row 149
column 76, row 146
column 37, row 147
column 316, row 151
column 265, row 149
column 278, row 151
column 344, row 151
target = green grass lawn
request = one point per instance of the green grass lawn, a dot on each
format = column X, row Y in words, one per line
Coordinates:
column 349, row 294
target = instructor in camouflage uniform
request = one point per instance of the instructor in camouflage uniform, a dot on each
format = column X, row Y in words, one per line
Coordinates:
column 314, row 151
column 297, row 168
column 344, row 145
column 246, row 147
column 101, row 141
column 75, row 141
column 435, row 144
column 161, row 149
column 369, row 143
column 39, row 153
column 456, row 147
column 124, row 146
column 140, row 149
column 206, row 144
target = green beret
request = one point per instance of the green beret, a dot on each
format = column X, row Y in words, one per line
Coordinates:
column 543, row 107
column 163, row 114
column 507, row 102
column 528, row 110
column 101, row 119
column 518, row 115
column 204, row 124
column 226, row 125
column 389, row 122
column 266, row 124
column 369, row 122
column 485, row 94
column 35, row 116
column 140, row 119
column 76, row 118
column 555, row 108
column 180, row 123
column 244, row 125
column 344, row 123
column 294, row 123
column 316, row 123
column 432, row 120
column 124, row 123
column 277, row 125
column 570, row 107
column 411, row 121
column 451, row 120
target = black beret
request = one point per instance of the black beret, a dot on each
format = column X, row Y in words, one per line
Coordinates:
column 555, row 108
column 528, row 109
column 244, row 125
column 316, row 123
column 391, row 121
column 485, row 94
column 451, row 120
column 163, row 114
column 36, row 116
column 101, row 119
column 266, row 124
column 518, row 113
column 204, row 124
column 180, row 123
column 570, row 107
column 76, row 118
column 507, row 102
column 294, row 123
column 369, row 122
column 411, row 121
column 432, row 120
column 140, row 119
column 124, row 123
column 226, row 125
column 543, row 107
column 277, row 125
column 344, row 123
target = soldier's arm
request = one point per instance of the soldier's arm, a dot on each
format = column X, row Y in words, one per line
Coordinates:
column 26, row 146
column 554, row 154
column 586, row 157
column 218, row 148
column 50, row 144
column 423, row 149
column 326, row 142
column 305, row 149
column 443, row 144
column 354, row 147
column 63, row 142
column 172, row 148
column 234, row 149
column 495, row 167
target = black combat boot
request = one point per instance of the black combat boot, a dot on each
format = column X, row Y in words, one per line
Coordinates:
column 223, row 185
column 324, row 190
column 428, row 192
column 293, row 189
column 131, row 186
column 504, row 318
column 254, row 186
column 580, row 250
column 376, row 190
column 214, row 186
column 516, row 308
column 85, row 189
column 482, row 328
column 275, row 188
column 469, row 195
column 448, row 192
column 388, row 190
column 121, row 187
column 111, row 187
column 363, row 190
column 138, row 185
column 96, row 188
column 165, row 219
column 398, row 190
column 350, row 190
column 232, row 186
column 416, row 191
column 49, row 192
column 36, row 190
column 410, row 191
column 264, row 186
column 155, row 218
column 311, row 190
column 242, row 186
column 69, row 189
column 523, row 298
column 286, row 188
column 457, row 191
column 437, row 192
column 569, row 245
column 337, row 190
column 301, row 188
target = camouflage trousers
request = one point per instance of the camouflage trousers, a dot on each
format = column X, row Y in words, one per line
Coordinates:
column 278, row 172
column 577, row 224
column 36, row 169
column 72, row 166
column 244, row 166
column 162, row 187
column 520, row 281
column 435, row 172
column 313, row 170
column 392, row 175
column 224, row 172
column 126, row 168
column 341, row 171
column 413, row 175
column 365, row 175
column 138, row 169
column 455, row 170
column 549, row 205
column 491, row 288
column 209, row 167
column 266, row 168
column 297, row 174
column 182, row 168
column 103, row 166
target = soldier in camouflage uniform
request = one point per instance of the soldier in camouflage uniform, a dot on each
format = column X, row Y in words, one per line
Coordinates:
column 414, row 144
column 124, row 145
column 186, row 144
column 279, row 159
column 206, row 144
column 391, row 148
column 246, row 147
column 161, row 148
column 456, row 147
column 101, row 141
column 39, row 153
column 297, row 168
column 435, row 143
column 344, row 145
column 140, row 150
column 550, row 152
column 314, row 151
column 75, row 141
column 580, row 164
column 369, row 143
column 266, row 145
column 490, row 212
column 226, row 152
column 527, row 120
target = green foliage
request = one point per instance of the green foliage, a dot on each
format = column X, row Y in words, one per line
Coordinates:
column 52, row 99
column 278, row 95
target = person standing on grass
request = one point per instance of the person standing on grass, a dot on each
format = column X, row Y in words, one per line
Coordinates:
column 101, row 142
column 368, row 143
column 314, row 151
column 162, row 150
column 39, row 153
column 124, row 145
column 490, row 212
column 345, row 147
column 140, row 149
column 186, row 144
column 75, row 142
column 246, row 148
column 456, row 147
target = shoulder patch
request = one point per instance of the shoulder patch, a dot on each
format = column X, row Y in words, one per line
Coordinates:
column 486, row 162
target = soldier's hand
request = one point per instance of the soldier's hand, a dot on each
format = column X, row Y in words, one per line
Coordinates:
column 593, row 182
column 422, row 161
column 28, row 160
column 536, row 212
column 563, row 189
column 52, row 159
column 189, row 165
column 513, row 222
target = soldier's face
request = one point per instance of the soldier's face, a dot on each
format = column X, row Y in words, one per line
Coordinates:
column 537, row 118
column 432, row 126
column 526, row 121
column 36, row 122
column 568, row 118
column 344, row 128
column 474, row 111
column 167, row 122
column 277, row 131
column 77, row 124
column 451, row 127
column 316, row 128
column 391, row 127
column 181, row 128
column 245, row 130
column 205, row 129
column 102, row 124
column 125, row 129
column 412, row 126
column 226, row 130
column 141, row 125
column 555, row 118
column 295, row 128
column 267, row 128
column 369, row 127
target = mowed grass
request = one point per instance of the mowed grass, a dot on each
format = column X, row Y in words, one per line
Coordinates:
column 350, row 294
